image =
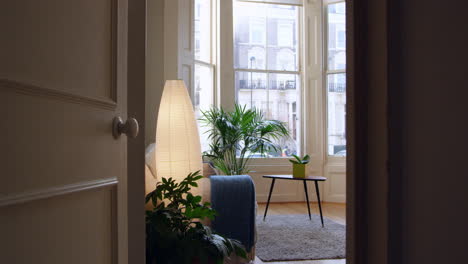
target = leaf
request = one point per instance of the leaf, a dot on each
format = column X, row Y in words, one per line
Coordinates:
column 197, row 178
column 239, row 249
column 197, row 199
column 299, row 161
column 148, row 197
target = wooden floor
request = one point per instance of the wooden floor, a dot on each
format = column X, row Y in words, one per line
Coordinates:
column 334, row 211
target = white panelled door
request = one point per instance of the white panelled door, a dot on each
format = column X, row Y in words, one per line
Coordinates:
column 63, row 174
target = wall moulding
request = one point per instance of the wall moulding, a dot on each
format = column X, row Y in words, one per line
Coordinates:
column 49, row 192
column 33, row 90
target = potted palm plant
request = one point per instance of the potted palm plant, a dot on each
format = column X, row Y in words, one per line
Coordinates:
column 299, row 165
column 235, row 136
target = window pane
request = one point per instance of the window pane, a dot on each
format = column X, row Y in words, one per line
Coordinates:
column 282, row 59
column 336, row 36
column 249, row 35
column 203, row 98
column 251, row 89
column 202, row 30
column 266, row 36
column 282, row 33
column 283, row 93
column 277, row 96
column 336, row 94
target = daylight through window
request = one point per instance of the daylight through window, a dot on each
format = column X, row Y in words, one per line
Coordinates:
column 336, row 79
column 204, row 64
column 267, row 65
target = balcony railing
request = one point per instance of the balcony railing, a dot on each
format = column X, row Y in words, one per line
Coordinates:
column 288, row 85
column 336, row 87
column 244, row 84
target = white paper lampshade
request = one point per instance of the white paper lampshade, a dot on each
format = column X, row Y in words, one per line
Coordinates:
column 178, row 150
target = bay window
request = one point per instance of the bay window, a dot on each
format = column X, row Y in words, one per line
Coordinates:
column 276, row 67
column 286, row 58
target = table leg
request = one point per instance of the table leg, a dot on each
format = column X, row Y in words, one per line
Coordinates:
column 307, row 198
column 318, row 198
column 269, row 196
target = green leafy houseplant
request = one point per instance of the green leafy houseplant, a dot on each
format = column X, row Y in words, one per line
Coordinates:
column 174, row 232
column 236, row 135
column 299, row 165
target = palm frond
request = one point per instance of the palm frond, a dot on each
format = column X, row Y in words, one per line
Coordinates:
column 235, row 135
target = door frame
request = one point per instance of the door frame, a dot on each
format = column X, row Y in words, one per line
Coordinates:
column 356, row 169
column 373, row 179
column 366, row 67
column 136, row 146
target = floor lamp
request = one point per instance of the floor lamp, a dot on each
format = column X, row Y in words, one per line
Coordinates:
column 178, row 150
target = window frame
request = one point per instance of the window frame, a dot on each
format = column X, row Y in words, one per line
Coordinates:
column 299, row 72
column 326, row 73
column 311, row 108
column 213, row 54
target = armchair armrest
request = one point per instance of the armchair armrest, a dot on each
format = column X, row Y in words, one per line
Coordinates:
column 233, row 197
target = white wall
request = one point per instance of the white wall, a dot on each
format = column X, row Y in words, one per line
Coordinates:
column 169, row 51
column 154, row 65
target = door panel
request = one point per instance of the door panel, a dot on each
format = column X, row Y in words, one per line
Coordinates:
column 56, row 143
column 63, row 79
column 60, row 45
column 72, row 228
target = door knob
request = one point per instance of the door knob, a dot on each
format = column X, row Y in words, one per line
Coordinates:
column 130, row 128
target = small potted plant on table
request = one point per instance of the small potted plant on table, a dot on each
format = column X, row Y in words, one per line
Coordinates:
column 300, row 166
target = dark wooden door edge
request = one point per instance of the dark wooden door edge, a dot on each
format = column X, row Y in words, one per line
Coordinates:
column 356, row 131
